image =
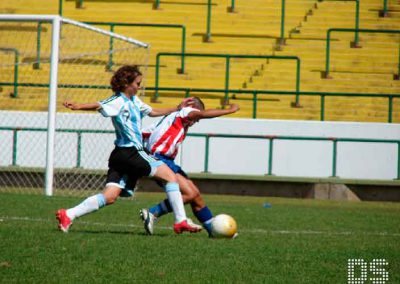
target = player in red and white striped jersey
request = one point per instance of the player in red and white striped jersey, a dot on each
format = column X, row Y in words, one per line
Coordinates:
column 165, row 136
column 163, row 140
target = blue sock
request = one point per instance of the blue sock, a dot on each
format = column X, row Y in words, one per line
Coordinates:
column 204, row 215
column 164, row 207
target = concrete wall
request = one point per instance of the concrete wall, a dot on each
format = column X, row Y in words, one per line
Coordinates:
column 228, row 156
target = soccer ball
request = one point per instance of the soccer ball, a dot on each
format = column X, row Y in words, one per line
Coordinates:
column 223, row 226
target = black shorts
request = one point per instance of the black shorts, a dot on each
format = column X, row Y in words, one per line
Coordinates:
column 127, row 164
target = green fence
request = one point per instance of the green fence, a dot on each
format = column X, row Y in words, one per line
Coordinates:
column 78, row 5
column 253, row 93
column 156, row 5
column 328, row 44
column 384, row 11
column 207, row 137
column 271, row 139
column 112, row 26
column 60, row 7
column 282, row 37
column 357, row 25
column 16, row 64
column 227, row 67
column 207, row 35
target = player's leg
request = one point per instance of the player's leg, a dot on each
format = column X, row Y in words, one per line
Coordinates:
column 175, row 199
column 91, row 204
column 162, row 172
column 164, row 207
column 190, row 194
column 116, row 180
column 199, row 208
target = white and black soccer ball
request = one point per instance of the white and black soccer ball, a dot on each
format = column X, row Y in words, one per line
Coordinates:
column 224, row 226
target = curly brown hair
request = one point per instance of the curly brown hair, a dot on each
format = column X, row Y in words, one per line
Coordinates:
column 124, row 76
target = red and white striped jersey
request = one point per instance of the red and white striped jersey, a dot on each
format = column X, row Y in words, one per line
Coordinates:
column 165, row 136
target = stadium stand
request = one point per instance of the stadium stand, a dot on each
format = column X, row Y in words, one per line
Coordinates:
column 255, row 29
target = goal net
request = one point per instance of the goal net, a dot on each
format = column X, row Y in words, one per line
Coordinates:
column 45, row 60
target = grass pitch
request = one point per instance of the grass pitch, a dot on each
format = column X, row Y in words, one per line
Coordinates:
column 294, row 241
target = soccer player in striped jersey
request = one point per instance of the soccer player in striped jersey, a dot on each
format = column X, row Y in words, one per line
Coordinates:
column 128, row 161
column 163, row 139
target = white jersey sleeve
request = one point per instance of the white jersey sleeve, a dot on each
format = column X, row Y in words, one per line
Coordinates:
column 145, row 109
column 111, row 106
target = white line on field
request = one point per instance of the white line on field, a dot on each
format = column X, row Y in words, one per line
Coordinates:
column 252, row 231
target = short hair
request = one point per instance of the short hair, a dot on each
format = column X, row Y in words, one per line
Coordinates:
column 198, row 103
column 124, row 76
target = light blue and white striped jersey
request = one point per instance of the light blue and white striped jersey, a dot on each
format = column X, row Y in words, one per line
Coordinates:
column 126, row 115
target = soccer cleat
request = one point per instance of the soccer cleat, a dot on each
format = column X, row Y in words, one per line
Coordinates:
column 64, row 222
column 193, row 224
column 184, row 226
column 148, row 220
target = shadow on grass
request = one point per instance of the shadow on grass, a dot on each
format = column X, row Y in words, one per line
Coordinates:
column 115, row 232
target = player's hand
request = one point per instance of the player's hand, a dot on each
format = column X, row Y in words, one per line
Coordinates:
column 71, row 105
column 234, row 107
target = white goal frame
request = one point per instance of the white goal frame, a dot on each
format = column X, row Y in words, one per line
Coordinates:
column 56, row 22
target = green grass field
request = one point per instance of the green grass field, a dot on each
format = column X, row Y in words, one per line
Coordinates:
column 294, row 241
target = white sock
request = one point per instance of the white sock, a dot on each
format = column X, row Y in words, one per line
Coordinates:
column 176, row 201
column 90, row 204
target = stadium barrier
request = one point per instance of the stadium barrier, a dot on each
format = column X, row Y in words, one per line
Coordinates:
column 16, row 64
column 60, row 7
column 253, row 93
column 328, row 45
column 384, row 12
column 36, row 65
column 227, row 67
column 282, row 38
column 271, row 139
column 357, row 25
column 357, row 22
column 112, row 26
column 207, row 137
column 231, row 9
column 207, row 36
column 78, row 5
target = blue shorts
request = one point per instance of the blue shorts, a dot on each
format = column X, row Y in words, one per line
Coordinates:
column 171, row 164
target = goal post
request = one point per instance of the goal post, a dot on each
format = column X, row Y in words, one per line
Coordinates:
column 45, row 60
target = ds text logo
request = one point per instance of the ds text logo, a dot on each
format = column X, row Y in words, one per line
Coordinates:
column 360, row 271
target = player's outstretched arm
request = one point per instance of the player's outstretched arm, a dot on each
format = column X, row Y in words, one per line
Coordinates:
column 85, row 106
column 210, row 113
column 162, row 111
column 165, row 111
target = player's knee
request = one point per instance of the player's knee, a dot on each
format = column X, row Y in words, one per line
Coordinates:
column 170, row 179
column 193, row 187
column 165, row 173
column 111, row 194
column 194, row 194
column 111, row 200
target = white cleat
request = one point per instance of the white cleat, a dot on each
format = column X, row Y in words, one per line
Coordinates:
column 148, row 220
column 192, row 224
